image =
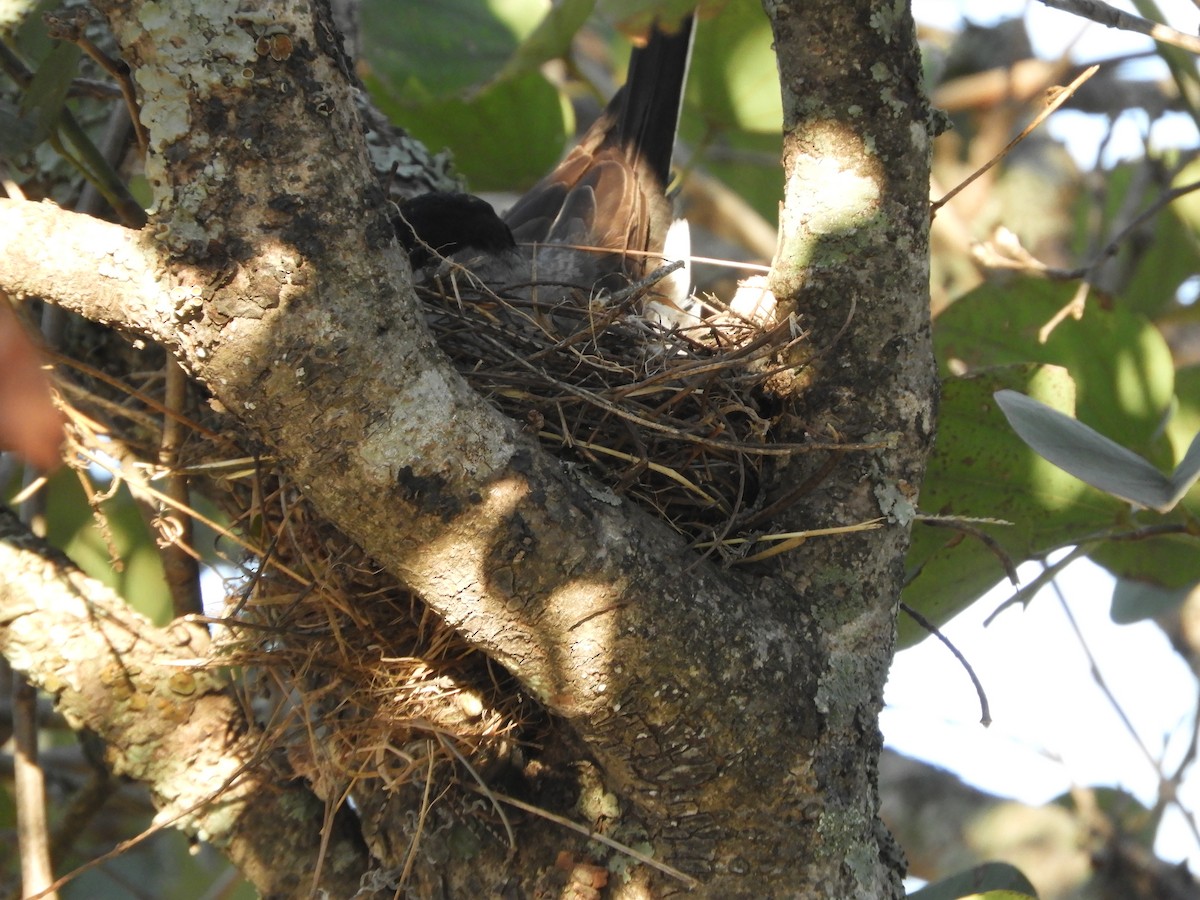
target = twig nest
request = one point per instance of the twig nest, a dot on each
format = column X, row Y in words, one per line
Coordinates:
column 672, row 415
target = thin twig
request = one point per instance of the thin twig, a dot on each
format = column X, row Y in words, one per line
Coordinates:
column 480, row 785
column 1111, row 17
column 181, row 566
column 1102, row 684
column 1169, row 791
column 790, row 540
column 985, row 712
column 592, row 835
column 70, row 26
column 1058, row 100
column 1047, row 576
column 1074, row 309
column 410, row 858
column 29, row 784
column 967, row 527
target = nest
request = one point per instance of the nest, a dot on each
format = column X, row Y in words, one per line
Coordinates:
column 365, row 686
column 361, row 689
column 370, row 695
column 674, row 417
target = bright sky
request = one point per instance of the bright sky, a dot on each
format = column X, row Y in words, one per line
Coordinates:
column 1052, row 727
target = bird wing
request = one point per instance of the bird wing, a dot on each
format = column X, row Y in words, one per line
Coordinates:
column 610, row 191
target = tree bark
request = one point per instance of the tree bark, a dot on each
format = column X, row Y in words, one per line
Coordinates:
column 736, row 712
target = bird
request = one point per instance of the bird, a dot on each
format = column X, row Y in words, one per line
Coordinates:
column 610, row 193
column 443, row 223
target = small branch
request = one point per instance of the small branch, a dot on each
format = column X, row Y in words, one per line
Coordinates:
column 1025, row 594
column 1111, row 17
column 1058, row 100
column 1004, row 251
column 1102, row 684
column 967, row 527
column 29, row 779
column 104, row 271
column 180, row 565
column 985, row 712
column 37, row 872
column 69, row 26
column 1073, row 309
column 1169, row 789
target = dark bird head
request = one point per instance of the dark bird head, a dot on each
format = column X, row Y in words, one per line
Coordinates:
column 444, row 223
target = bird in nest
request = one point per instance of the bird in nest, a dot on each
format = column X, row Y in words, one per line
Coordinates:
column 601, row 219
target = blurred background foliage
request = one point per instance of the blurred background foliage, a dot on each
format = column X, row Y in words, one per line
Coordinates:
column 1043, row 261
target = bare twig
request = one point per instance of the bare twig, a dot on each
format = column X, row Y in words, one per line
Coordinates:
column 592, row 835
column 1072, row 309
column 967, row 527
column 1111, row 17
column 985, row 712
column 1165, row 781
column 1047, row 576
column 1059, row 98
column 180, row 562
column 70, row 27
column 33, row 839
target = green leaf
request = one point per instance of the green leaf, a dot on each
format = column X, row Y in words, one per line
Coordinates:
column 447, row 47
column 1185, row 418
column 1122, row 367
column 1093, row 458
column 524, row 112
column 71, row 526
column 552, row 37
column 994, row 880
column 1171, row 257
column 1133, row 601
column 1169, row 561
column 734, row 79
column 981, row 469
column 465, row 75
column 17, row 133
column 733, row 113
column 42, row 103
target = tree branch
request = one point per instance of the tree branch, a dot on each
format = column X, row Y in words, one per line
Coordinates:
column 168, row 721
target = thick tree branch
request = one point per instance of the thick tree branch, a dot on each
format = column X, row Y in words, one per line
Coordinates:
column 103, row 271
column 167, row 722
column 854, row 248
